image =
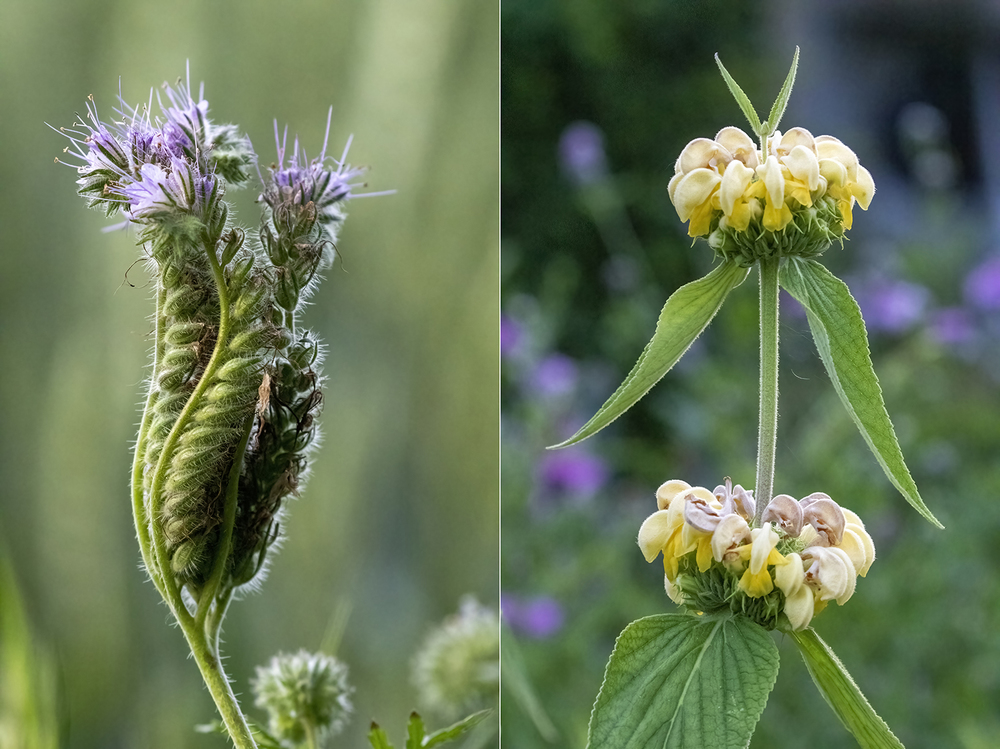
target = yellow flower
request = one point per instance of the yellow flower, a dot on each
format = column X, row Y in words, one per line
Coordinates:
column 847, row 181
column 789, row 576
column 756, row 580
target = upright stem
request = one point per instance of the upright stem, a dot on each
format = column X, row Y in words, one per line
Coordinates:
column 215, row 679
column 767, row 433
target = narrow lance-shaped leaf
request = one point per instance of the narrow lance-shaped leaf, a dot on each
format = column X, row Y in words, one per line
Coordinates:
column 676, row 681
column 778, row 109
column 741, row 98
column 839, row 331
column 687, row 312
column 842, row 694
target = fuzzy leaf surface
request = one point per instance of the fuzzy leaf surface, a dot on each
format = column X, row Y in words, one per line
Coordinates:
column 741, row 98
column 676, row 681
column 842, row 341
column 842, row 694
column 687, row 312
column 778, row 108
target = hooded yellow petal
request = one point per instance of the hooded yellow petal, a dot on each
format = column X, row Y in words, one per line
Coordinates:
column 654, row 534
column 668, row 490
column 701, row 153
column 695, row 191
column 799, row 608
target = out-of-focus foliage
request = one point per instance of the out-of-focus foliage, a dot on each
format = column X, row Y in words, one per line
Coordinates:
column 598, row 100
column 399, row 518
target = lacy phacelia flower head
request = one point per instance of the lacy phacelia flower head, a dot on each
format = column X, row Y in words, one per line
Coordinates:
column 313, row 183
column 806, row 553
column 793, row 198
column 135, row 162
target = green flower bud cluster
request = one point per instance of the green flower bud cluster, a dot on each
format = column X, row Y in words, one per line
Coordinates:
column 305, row 695
column 276, row 460
column 456, row 670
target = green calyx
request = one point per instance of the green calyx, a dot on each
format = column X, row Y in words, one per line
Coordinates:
column 811, row 232
column 717, row 590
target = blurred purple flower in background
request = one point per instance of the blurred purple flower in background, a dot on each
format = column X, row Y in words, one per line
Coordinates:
column 538, row 616
column 510, row 335
column 952, row 326
column 581, row 153
column 982, row 285
column 892, row 305
column 555, row 375
column 572, row 472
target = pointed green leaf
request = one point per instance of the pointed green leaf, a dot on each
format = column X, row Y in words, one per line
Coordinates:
column 378, row 738
column 741, row 98
column 686, row 313
column 415, row 731
column 677, row 681
column 842, row 694
column 778, row 109
column 514, row 678
column 839, row 331
column 458, row 729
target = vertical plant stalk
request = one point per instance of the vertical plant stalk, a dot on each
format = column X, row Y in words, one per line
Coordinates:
column 767, row 433
column 201, row 629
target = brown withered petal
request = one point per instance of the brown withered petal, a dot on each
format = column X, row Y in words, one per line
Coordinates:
column 699, row 514
column 786, row 513
column 828, row 519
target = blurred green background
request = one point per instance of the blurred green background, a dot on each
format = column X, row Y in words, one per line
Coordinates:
column 399, row 518
column 598, row 100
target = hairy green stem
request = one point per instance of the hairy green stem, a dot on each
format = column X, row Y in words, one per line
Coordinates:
column 207, row 658
column 767, row 433
column 138, row 460
column 211, row 587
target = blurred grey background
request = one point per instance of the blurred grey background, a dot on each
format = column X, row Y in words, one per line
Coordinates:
column 399, row 519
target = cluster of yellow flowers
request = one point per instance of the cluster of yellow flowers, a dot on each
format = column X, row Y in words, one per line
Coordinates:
column 811, row 550
column 730, row 179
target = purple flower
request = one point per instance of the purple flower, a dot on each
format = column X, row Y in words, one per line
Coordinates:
column 303, row 181
column 538, row 616
column 510, row 335
column 982, row 285
column 952, row 326
column 573, row 472
column 185, row 131
column 159, row 191
column 892, row 305
column 581, row 152
column 555, row 375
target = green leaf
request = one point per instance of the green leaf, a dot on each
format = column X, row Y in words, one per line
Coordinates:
column 741, row 98
column 778, row 109
column 677, row 681
column 415, row 731
column 842, row 694
column 458, row 729
column 687, row 312
column 378, row 738
column 839, row 332
column 514, row 678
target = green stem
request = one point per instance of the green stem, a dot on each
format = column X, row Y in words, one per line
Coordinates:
column 215, row 679
column 139, row 459
column 767, row 434
column 211, row 587
column 312, row 737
